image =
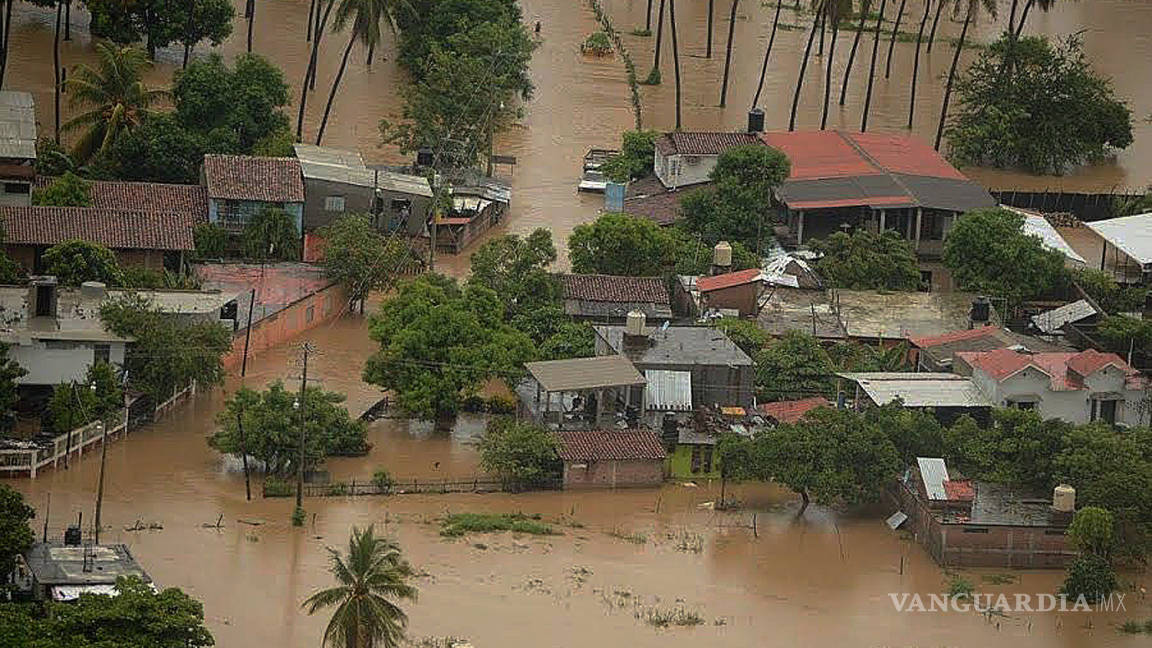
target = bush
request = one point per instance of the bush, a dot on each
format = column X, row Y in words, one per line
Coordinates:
column 275, row 487
column 382, row 480
column 499, row 404
column 1092, row 577
column 518, row 453
column 458, row 524
column 598, row 43
column 211, row 241
column 959, row 587
column 298, row 515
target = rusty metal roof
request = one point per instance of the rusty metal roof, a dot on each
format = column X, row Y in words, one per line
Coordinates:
column 577, row 374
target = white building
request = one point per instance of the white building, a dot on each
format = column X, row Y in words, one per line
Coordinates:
column 1074, row 387
column 684, row 158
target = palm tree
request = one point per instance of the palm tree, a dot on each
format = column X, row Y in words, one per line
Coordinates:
column 892, row 40
column 864, row 5
column 115, row 92
column 728, row 53
column 767, row 53
column 708, row 47
column 4, row 40
column 56, row 68
column 804, row 64
column 370, row 578
column 250, row 14
column 872, row 68
column 648, row 18
column 1045, row 6
column 833, row 10
column 366, row 16
column 310, row 71
column 935, row 21
column 675, row 56
column 916, row 64
column 973, row 7
column 654, row 74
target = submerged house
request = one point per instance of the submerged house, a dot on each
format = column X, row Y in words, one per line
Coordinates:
column 62, row 573
column 611, row 458
column 477, row 203
column 609, row 298
column 17, row 147
column 948, row 396
column 241, row 186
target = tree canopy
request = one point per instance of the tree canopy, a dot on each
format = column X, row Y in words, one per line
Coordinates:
column 518, row 452
column 271, row 425
column 516, row 269
column 16, row 536
column 794, row 366
column 1026, row 103
column 988, row 252
column 69, row 190
column 76, row 261
column 271, row 234
column 99, row 396
column 635, row 159
column 160, row 149
column 10, row 372
column 619, row 244
column 161, row 22
column 233, row 108
column 439, row 343
column 1109, row 295
column 736, row 206
column 868, row 261
column 358, row 255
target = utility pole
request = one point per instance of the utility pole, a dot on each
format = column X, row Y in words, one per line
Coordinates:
column 244, row 456
column 248, row 330
column 100, row 484
column 306, row 349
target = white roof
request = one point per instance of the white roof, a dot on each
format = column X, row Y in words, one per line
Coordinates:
column 1038, row 226
column 934, row 473
column 1132, row 235
column 17, row 125
column 1051, row 321
column 920, row 389
column 668, row 390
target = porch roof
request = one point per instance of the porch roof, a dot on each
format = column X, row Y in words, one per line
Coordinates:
column 578, row 374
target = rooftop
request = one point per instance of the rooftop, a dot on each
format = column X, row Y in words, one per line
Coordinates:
column 942, row 348
column 17, row 125
column 701, row 143
column 609, row 445
column 648, row 198
column 995, row 504
column 898, row 315
column 116, row 228
column 336, row 165
column 190, row 200
column 277, row 284
column 844, row 169
column 1066, row 371
column 919, row 389
column 56, row 565
column 577, row 374
column 1052, row 321
column 611, row 288
column 794, row 309
column 729, row 280
column 246, row 177
column 1038, row 226
column 1132, row 235
column 791, row 411
column 668, row 391
column 676, row 345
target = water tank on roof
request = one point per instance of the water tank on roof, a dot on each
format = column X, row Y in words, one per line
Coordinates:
column 756, row 120
column 635, row 326
column 722, row 255
column 1064, row 498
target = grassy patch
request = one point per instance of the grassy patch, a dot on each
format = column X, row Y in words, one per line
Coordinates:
column 687, row 541
column 662, row 618
column 960, row 587
column 635, row 537
column 998, row 579
column 641, row 32
column 1131, row 627
column 458, row 524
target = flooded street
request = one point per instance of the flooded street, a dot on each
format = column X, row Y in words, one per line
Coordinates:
column 818, row 580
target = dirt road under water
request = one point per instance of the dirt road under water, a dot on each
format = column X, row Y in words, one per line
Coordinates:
column 817, row 580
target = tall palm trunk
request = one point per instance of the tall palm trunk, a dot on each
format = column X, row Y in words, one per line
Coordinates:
column 56, row 67
column 659, row 42
column 916, row 64
column 708, row 47
column 251, row 19
column 935, row 21
column 767, row 53
column 312, row 15
column 803, row 69
column 1024, row 17
column 952, row 73
column 68, row 20
column 335, row 85
column 828, row 65
column 872, row 68
column 892, row 40
column 852, row 54
column 1012, row 18
column 823, row 18
column 310, row 73
column 648, row 18
column 728, row 54
column 4, row 33
column 371, row 54
column 675, row 56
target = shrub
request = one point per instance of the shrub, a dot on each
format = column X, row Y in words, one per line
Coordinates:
column 458, row 524
column 960, row 587
column 499, row 404
column 298, row 515
column 274, row 487
column 598, row 43
column 1091, row 576
column 382, row 480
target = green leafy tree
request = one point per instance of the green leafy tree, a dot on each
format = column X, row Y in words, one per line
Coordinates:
column 52, row 159
column 1018, row 447
column 635, row 158
column 1128, row 206
column 1121, row 333
column 746, row 334
column 10, row 271
column 211, row 241
column 692, row 256
column 74, row 404
column 794, row 366
column 865, row 260
column 1091, row 531
column 69, row 190
column 167, row 354
column 201, row 20
column 988, row 252
column 913, row 432
column 516, row 269
column 570, row 340
column 518, row 452
column 115, row 93
column 271, row 234
column 439, row 343
column 356, row 254
column 76, row 261
column 619, row 244
column 233, row 108
column 15, row 535
column 160, row 149
column 271, row 422
column 10, row 372
column 1090, row 576
column 371, row 579
column 160, row 23
column 278, row 143
column 853, row 356
column 1109, row 295
column 736, row 207
column 1049, row 113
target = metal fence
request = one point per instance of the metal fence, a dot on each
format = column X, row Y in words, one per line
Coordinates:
column 412, row 486
column 31, row 460
column 1085, row 206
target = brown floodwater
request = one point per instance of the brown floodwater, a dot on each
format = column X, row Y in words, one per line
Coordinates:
column 822, row 579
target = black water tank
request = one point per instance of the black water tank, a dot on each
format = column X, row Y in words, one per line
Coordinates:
column 424, row 157
column 72, row 536
column 756, row 120
column 981, row 310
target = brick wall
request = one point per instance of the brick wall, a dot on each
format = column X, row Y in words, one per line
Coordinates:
column 299, row 316
column 614, row 474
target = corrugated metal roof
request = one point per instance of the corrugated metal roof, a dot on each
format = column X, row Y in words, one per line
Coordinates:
column 668, row 391
column 584, row 373
column 1036, row 225
column 933, row 472
column 337, row 165
column 920, row 389
column 1051, row 321
column 17, row 125
column 1132, row 235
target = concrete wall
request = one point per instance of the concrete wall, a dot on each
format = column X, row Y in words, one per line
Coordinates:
column 299, row 316
column 681, row 170
column 680, row 463
column 742, row 298
column 54, row 363
column 614, row 474
column 1073, row 406
column 358, row 199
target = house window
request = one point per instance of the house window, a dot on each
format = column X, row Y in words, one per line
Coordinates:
column 334, row 203
column 975, row 530
column 102, row 353
column 60, row 345
column 230, row 213
column 1023, row 405
column 696, row 457
column 309, row 314
column 701, row 459
column 707, row 465
column 1104, row 410
column 17, row 188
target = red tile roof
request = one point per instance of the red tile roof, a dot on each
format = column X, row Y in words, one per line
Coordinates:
column 145, row 196
column 610, row 288
column 702, row 143
column 792, row 411
column 1090, row 361
column 954, row 336
column 959, row 490
column 904, row 154
column 261, row 179
column 728, row 280
column 1065, row 370
column 118, row 229
column 609, row 445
